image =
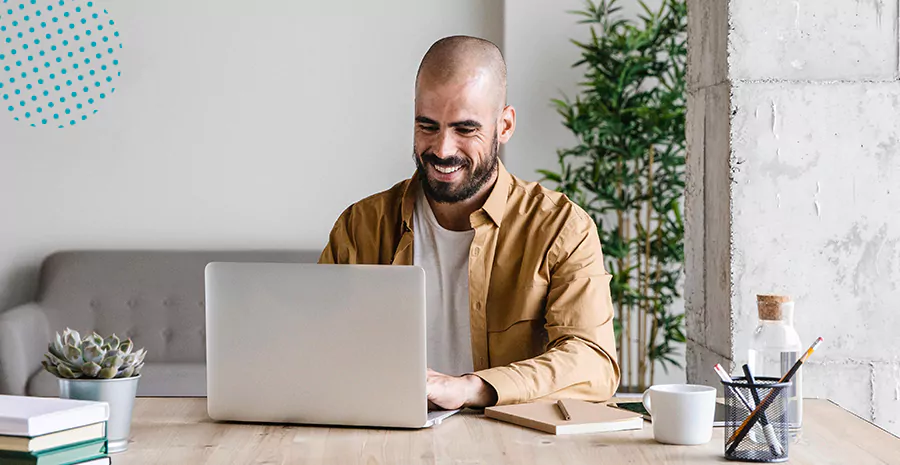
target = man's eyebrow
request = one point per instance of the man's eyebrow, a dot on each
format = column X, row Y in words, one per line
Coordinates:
column 469, row 123
column 425, row 120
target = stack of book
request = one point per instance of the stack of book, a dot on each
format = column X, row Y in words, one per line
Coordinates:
column 45, row 431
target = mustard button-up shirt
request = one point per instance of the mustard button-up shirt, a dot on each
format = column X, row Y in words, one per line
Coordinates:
column 540, row 310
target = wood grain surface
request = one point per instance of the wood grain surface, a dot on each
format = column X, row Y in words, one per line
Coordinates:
column 178, row 431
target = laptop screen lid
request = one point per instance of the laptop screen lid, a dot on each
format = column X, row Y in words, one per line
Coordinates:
column 316, row 344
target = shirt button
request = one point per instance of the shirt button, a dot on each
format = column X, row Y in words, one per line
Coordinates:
column 477, row 305
column 476, row 251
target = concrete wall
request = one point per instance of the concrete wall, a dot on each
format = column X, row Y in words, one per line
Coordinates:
column 236, row 124
column 795, row 173
column 707, row 195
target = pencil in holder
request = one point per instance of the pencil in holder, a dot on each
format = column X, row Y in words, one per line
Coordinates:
column 756, row 423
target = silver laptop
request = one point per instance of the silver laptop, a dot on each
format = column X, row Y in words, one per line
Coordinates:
column 317, row 344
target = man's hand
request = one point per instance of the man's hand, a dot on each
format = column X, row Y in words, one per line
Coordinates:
column 454, row 392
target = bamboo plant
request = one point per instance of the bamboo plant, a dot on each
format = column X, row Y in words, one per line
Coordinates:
column 627, row 171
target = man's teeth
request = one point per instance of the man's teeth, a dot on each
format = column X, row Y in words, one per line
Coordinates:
column 447, row 169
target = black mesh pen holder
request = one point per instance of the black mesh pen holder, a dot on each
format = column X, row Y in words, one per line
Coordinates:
column 761, row 436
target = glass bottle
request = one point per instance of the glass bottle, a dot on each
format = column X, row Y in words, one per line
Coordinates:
column 775, row 348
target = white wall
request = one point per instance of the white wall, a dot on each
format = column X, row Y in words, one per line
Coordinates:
column 241, row 124
column 236, row 124
column 539, row 58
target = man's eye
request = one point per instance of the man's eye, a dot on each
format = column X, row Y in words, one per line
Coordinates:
column 428, row 128
column 465, row 130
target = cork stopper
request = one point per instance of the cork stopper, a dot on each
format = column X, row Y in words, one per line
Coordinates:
column 769, row 306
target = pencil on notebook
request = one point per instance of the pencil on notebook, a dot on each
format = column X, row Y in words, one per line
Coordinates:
column 754, row 415
column 563, row 410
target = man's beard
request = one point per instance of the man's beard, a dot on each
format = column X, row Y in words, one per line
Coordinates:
column 443, row 192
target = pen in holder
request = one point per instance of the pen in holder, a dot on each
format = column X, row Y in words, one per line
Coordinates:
column 766, row 436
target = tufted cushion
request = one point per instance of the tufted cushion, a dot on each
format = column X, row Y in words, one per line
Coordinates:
column 154, row 297
column 157, row 380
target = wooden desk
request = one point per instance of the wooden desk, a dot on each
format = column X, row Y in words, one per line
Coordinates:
column 178, row 431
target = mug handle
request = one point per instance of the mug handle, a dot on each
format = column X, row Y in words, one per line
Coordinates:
column 645, row 399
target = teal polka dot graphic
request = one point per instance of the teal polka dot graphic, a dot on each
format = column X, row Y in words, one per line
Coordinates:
column 48, row 48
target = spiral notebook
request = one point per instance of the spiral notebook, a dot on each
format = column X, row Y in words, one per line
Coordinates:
column 587, row 417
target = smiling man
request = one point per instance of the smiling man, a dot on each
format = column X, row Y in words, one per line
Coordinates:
column 517, row 298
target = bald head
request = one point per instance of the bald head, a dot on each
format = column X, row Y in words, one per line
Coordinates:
column 464, row 59
column 461, row 121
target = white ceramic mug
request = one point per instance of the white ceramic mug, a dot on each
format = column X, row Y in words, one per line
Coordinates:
column 681, row 413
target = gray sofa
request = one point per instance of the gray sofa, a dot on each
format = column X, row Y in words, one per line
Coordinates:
column 154, row 297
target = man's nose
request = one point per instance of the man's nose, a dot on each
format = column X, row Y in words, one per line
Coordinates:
column 445, row 146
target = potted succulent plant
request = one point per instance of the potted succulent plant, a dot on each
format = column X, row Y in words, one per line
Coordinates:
column 98, row 369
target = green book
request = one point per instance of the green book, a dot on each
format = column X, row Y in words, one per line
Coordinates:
column 67, row 455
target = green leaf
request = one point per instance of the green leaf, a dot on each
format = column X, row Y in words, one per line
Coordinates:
column 551, row 176
column 125, row 372
column 50, row 367
column 96, row 339
column 140, row 355
column 90, row 369
column 112, row 342
column 52, row 359
column 71, row 337
column 73, row 354
column 92, row 353
column 631, row 99
column 57, row 347
column 126, row 346
column 66, row 372
column 113, row 361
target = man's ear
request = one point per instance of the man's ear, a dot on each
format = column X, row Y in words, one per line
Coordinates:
column 507, row 124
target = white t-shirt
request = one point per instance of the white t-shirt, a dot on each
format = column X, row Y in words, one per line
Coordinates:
column 444, row 255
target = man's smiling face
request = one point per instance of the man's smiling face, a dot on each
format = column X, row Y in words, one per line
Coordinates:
column 456, row 141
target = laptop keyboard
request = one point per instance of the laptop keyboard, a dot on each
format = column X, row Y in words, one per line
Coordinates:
column 435, row 417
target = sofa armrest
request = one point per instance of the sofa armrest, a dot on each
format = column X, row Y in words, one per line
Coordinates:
column 24, row 335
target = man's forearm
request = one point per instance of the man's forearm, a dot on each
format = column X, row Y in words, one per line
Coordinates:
column 480, row 393
column 573, row 369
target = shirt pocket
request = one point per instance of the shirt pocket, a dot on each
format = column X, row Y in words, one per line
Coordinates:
column 517, row 305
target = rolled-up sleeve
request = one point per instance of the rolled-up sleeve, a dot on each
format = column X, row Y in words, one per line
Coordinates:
column 580, row 358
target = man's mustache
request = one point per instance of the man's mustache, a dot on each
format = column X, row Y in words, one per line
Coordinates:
column 429, row 157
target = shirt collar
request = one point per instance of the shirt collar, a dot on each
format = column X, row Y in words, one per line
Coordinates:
column 494, row 206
